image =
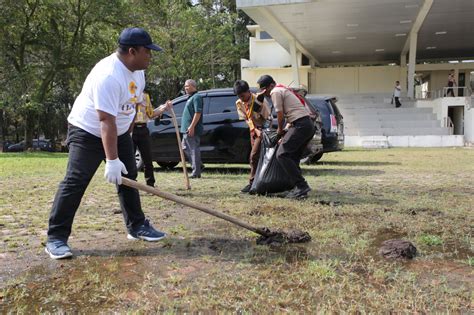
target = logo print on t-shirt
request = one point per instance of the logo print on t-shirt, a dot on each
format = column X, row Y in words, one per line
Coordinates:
column 128, row 109
column 132, row 88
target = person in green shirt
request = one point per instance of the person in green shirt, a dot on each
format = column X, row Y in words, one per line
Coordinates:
column 192, row 127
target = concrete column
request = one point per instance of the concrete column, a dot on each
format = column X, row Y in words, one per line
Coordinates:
column 295, row 67
column 412, row 65
column 403, row 74
column 403, row 60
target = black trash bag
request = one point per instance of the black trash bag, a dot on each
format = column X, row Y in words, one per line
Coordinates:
column 270, row 177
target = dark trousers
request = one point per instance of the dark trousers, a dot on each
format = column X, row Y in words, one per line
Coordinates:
column 141, row 140
column 397, row 102
column 86, row 152
column 291, row 149
column 255, row 142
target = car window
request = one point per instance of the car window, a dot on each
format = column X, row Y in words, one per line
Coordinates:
column 323, row 107
column 336, row 110
column 222, row 104
column 179, row 107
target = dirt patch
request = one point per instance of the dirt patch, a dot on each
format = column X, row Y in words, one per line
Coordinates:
column 275, row 237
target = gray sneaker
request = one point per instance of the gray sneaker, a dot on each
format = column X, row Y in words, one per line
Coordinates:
column 146, row 232
column 58, row 249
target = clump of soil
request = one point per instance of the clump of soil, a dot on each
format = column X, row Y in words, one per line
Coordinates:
column 394, row 249
column 277, row 237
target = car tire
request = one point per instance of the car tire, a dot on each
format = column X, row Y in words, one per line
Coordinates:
column 167, row 165
column 139, row 161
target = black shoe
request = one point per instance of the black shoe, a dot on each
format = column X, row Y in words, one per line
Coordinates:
column 151, row 184
column 246, row 189
column 195, row 176
column 298, row 193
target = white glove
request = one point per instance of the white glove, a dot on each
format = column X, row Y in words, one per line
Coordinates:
column 114, row 170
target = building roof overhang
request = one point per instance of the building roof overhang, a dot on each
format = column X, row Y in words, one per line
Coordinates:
column 348, row 31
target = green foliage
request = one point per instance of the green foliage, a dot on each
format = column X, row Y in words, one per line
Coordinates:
column 49, row 46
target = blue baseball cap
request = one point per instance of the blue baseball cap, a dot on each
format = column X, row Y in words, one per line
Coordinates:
column 136, row 36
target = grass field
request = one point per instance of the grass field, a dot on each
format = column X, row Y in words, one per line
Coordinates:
column 360, row 198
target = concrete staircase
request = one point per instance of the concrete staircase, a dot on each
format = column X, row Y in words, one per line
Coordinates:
column 371, row 121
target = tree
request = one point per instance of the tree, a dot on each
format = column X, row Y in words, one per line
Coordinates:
column 49, row 46
column 44, row 39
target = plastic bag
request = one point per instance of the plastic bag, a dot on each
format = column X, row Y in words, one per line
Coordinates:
column 270, row 177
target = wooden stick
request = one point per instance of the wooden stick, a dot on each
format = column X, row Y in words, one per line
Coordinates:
column 181, row 153
column 183, row 201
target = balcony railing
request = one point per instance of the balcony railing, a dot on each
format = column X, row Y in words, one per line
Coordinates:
column 462, row 91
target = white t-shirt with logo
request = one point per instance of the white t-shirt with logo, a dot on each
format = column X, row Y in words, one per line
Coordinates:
column 111, row 88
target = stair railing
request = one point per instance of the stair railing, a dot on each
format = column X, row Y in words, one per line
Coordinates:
column 448, row 123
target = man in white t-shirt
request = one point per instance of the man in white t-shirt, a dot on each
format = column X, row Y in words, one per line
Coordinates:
column 99, row 128
column 396, row 94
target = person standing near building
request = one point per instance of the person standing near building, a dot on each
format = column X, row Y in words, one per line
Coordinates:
column 192, row 127
column 99, row 128
column 451, row 84
column 396, row 94
column 255, row 111
column 290, row 107
column 141, row 134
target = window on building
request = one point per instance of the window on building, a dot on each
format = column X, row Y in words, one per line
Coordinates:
column 264, row 35
column 304, row 60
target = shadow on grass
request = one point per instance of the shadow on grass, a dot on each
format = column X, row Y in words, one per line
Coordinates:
column 307, row 171
column 357, row 163
column 342, row 172
column 225, row 249
column 233, row 170
column 331, row 198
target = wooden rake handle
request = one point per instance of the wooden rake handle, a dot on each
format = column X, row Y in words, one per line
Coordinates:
column 181, row 153
column 183, row 201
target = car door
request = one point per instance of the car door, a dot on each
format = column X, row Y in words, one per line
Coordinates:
column 225, row 137
column 164, row 144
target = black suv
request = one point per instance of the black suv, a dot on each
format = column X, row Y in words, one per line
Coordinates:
column 225, row 138
column 38, row 144
column 333, row 124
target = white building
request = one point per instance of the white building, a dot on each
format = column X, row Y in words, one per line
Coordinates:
column 357, row 49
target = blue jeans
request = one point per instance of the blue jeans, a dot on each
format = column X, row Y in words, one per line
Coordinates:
column 86, row 152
